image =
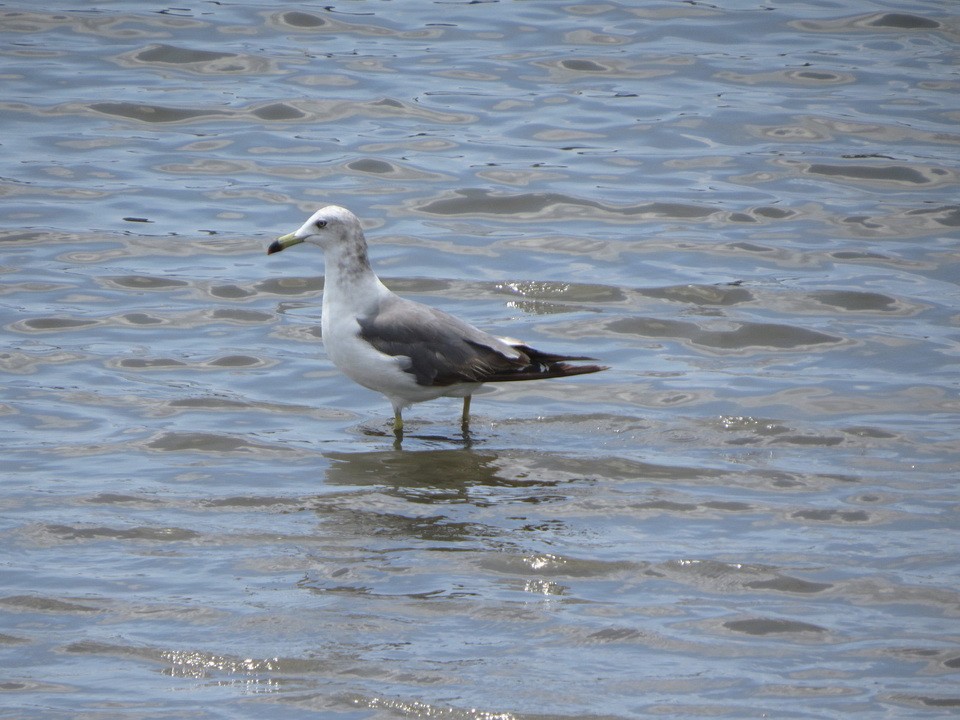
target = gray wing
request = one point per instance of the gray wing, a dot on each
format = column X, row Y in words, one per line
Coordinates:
column 442, row 349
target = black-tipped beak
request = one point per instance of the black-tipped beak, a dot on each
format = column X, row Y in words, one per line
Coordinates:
column 283, row 243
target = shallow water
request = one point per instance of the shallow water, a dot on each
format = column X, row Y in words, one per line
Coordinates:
column 749, row 212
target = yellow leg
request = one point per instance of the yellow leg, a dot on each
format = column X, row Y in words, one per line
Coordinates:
column 465, row 418
column 397, row 423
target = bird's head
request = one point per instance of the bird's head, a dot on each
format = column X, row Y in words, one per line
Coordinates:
column 326, row 227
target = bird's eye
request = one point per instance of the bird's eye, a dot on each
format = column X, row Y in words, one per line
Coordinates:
column 321, row 224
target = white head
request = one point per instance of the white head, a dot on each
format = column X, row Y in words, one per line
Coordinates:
column 327, row 227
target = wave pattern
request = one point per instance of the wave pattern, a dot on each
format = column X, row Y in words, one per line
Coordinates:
column 749, row 212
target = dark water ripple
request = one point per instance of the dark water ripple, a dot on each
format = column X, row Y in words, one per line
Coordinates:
column 749, row 212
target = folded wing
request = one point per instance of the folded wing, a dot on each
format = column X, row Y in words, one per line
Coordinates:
column 443, row 350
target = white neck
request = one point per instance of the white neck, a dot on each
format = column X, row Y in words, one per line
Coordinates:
column 349, row 280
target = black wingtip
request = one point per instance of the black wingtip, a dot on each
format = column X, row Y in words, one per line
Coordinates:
column 275, row 247
column 543, row 372
column 564, row 370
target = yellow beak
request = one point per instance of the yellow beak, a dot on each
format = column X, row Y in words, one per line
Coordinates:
column 282, row 243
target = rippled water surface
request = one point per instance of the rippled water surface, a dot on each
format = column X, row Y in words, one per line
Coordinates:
column 749, row 211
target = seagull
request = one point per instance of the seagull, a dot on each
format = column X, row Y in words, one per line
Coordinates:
column 408, row 351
